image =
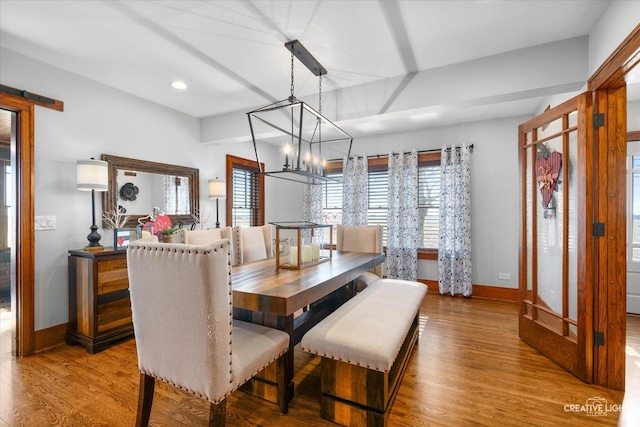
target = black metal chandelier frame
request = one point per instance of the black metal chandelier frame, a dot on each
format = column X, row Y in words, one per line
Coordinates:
column 304, row 170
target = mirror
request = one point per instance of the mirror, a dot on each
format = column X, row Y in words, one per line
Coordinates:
column 138, row 186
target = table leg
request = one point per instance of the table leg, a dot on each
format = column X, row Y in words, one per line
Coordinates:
column 264, row 384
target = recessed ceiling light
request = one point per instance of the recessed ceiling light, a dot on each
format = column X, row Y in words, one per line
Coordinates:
column 179, row 85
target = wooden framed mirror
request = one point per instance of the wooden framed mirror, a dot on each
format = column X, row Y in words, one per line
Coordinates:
column 139, row 186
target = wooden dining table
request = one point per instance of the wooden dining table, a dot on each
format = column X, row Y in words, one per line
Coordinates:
column 293, row 301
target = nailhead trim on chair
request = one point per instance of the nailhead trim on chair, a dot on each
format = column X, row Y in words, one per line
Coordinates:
column 205, row 397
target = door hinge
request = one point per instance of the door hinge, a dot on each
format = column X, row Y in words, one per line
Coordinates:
column 598, row 339
column 598, row 229
column 598, row 120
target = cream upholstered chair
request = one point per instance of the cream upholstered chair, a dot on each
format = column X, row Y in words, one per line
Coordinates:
column 361, row 239
column 253, row 243
column 181, row 299
column 204, row 237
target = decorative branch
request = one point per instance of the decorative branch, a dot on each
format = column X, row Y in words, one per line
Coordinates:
column 200, row 219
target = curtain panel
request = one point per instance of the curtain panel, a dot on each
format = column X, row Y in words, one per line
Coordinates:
column 312, row 202
column 176, row 195
column 355, row 191
column 454, row 249
column 402, row 216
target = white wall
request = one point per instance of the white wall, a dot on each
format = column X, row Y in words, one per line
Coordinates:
column 620, row 18
column 633, row 115
column 494, row 190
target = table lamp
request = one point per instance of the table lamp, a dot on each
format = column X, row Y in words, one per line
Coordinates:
column 217, row 190
column 92, row 175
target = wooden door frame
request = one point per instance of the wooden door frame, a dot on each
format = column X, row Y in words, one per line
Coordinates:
column 25, row 251
column 24, row 170
column 609, row 207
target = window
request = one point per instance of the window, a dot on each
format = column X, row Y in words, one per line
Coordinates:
column 428, row 205
column 428, row 197
column 245, row 192
column 332, row 199
column 176, row 194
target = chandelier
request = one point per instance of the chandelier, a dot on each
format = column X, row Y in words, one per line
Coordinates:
column 302, row 138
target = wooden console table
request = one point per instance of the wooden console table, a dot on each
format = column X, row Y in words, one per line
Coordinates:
column 99, row 306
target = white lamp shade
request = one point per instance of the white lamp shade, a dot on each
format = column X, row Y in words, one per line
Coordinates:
column 217, row 189
column 92, row 175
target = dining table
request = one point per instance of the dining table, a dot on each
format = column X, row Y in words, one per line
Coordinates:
column 293, row 300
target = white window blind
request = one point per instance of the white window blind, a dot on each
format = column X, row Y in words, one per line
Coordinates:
column 428, row 203
column 428, row 206
column 377, row 212
column 246, row 200
column 332, row 203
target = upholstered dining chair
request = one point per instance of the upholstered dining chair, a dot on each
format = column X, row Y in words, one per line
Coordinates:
column 361, row 239
column 181, row 299
column 253, row 243
column 204, row 237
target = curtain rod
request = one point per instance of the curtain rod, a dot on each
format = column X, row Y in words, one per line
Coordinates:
column 381, row 156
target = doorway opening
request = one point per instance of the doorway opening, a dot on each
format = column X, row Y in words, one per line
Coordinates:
column 7, row 232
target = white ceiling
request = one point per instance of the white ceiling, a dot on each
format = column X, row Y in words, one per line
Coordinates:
column 231, row 53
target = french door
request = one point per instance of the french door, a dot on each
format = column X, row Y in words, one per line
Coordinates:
column 556, row 269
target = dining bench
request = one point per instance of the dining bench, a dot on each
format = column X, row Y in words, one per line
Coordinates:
column 365, row 347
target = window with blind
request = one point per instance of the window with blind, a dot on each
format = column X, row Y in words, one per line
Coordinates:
column 428, row 200
column 245, row 206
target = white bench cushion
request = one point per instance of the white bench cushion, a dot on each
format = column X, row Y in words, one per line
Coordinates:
column 369, row 329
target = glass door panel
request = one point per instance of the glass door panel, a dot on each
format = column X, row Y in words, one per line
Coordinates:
column 572, row 237
column 549, row 225
column 529, row 194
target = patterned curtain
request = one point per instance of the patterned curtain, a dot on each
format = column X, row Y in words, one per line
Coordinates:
column 312, row 208
column 402, row 219
column 355, row 191
column 312, row 202
column 176, row 195
column 454, row 250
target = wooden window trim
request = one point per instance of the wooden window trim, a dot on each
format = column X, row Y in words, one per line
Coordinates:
column 234, row 161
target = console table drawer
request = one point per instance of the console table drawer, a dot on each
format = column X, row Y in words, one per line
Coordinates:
column 112, row 276
column 114, row 314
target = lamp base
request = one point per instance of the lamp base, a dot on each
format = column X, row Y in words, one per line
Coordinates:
column 94, row 238
column 217, row 219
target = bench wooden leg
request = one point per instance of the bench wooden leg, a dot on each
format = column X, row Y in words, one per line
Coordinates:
column 145, row 399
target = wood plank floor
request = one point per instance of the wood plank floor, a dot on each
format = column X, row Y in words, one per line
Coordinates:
column 469, row 368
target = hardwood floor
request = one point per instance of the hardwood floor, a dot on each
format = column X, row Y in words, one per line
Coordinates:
column 469, row 368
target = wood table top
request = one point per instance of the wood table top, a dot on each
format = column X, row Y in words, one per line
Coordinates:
column 258, row 286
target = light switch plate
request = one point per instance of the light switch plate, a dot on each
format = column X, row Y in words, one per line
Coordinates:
column 45, row 222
